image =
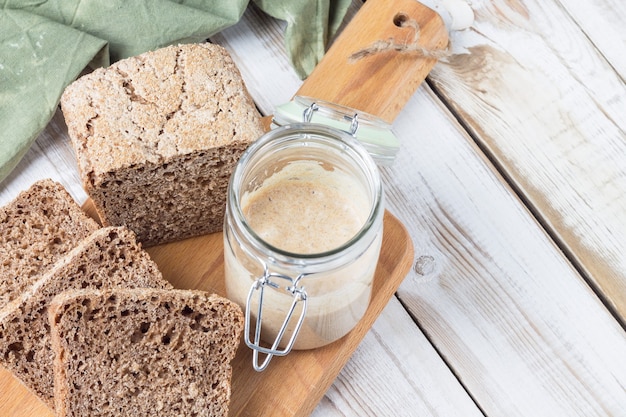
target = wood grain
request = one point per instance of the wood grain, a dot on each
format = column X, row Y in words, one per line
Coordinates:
column 396, row 371
column 502, row 304
column 602, row 21
column 506, row 310
column 382, row 83
column 51, row 156
column 555, row 126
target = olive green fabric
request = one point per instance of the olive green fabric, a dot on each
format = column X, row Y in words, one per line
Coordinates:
column 45, row 44
column 35, row 67
column 311, row 24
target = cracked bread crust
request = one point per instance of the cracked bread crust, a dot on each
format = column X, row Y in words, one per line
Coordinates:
column 156, row 106
column 110, row 257
column 37, row 228
column 143, row 352
column 156, row 138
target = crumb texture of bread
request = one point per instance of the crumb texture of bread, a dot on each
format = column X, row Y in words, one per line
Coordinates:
column 38, row 227
column 157, row 136
column 108, row 258
column 143, row 352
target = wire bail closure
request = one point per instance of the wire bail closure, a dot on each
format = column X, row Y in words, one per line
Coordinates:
column 307, row 115
column 372, row 132
column 299, row 295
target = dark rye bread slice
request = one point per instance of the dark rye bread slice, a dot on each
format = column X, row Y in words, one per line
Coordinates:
column 143, row 352
column 37, row 228
column 109, row 257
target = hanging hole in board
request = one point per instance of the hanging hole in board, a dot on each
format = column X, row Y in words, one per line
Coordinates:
column 399, row 19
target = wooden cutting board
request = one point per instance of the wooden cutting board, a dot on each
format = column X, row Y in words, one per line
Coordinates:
column 379, row 83
column 292, row 385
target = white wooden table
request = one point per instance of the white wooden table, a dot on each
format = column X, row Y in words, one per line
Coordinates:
column 512, row 183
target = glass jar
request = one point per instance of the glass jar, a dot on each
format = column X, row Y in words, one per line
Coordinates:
column 302, row 236
column 374, row 133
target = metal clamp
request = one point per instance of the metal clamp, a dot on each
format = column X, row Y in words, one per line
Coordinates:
column 299, row 295
column 307, row 116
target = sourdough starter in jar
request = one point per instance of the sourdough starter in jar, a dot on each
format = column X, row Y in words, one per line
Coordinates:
column 306, row 211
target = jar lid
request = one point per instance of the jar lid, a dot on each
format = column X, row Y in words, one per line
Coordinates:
column 374, row 133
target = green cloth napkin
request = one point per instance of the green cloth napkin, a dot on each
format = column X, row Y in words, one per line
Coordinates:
column 311, row 24
column 45, row 44
column 35, row 67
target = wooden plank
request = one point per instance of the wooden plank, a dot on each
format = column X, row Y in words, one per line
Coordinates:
column 550, row 110
column 51, row 156
column 520, row 328
column 379, row 84
column 395, row 371
column 603, row 23
column 16, row 400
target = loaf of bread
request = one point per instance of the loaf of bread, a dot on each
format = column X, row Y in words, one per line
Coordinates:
column 143, row 352
column 37, row 228
column 109, row 257
column 156, row 137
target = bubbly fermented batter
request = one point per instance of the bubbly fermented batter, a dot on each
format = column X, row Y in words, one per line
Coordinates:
column 307, row 208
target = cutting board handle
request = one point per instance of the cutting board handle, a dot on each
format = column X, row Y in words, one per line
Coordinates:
column 379, row 84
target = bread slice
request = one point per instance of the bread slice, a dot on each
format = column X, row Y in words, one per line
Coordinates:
column 109, row 257
column 143, row 352
column 37, row 228
column 157, row 136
